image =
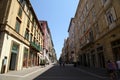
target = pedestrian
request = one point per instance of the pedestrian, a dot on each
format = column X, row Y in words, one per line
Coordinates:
column 111, row 66
column 63, row 64
column 118, row 65
column 60, row 61
column 75, row 62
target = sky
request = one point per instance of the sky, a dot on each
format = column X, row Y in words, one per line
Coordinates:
column 58, row 14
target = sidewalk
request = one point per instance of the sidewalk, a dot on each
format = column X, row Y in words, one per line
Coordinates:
column 25, row 74
column 99, row 72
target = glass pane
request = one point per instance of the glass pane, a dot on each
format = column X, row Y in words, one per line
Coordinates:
column 17, row 26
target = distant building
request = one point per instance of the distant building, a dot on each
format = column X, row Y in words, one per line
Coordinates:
column 71, row 31
column 48, row 47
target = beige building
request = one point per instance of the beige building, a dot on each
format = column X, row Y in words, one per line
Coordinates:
column 65, row 51
column 21, row 37
column 97, row 29
column 71, row 43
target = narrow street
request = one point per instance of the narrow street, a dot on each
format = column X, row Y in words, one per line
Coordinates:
column 69, row 73
column 56, row 72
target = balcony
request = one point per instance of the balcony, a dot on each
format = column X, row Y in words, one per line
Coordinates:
column 37, row 47
column 87, row 42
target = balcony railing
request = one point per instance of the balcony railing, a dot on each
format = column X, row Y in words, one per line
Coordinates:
column 36, row 46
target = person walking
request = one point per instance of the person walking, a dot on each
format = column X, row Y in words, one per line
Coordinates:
column 60, row 61
column 111, row 66
column 118, row 65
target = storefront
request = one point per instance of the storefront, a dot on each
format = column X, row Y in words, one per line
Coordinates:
column 116, row 49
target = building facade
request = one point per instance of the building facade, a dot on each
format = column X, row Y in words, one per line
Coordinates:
column 48, row 46
column 71, row 31
column 21, row 37
column 97, row 29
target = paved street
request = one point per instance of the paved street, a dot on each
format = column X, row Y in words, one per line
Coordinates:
column 55, row 72
column 69, row 73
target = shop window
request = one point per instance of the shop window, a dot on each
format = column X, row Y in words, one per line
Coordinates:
column 25, row 57
column 116, row 49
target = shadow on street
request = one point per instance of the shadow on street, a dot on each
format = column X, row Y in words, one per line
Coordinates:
column 67, row 72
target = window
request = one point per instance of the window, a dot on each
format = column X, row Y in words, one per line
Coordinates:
column 17, row 26
column 32, row 28
column 31, row 37
column 0, row 35
column 29, row 14
column 103, row 1
column 27, row 34
column 93, row 14
column 1, row 4
column 20, row 12
column 35, row 32
column 96, row 30
column 91, row 35
column 25, row 58
column 111, row 17
column 15, row 48
column 22, row 2
column 28, row 23
column 33, row 20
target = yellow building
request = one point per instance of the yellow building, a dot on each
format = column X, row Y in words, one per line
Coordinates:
column 97, row 30
column 21, row 38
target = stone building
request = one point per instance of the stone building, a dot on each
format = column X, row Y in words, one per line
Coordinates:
column 72, row 44
column 21, row 37
column 97, row 29
column 48, row 46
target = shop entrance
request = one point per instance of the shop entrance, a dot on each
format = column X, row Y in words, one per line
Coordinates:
column 14, row 56
column 13, row 61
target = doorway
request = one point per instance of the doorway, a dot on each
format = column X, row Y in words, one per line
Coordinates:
column 14, row 56
column 13, row 61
